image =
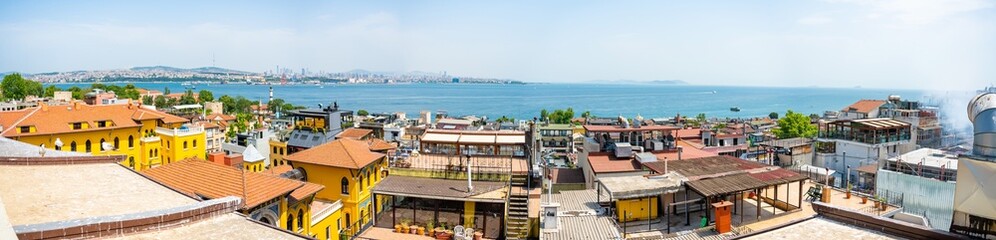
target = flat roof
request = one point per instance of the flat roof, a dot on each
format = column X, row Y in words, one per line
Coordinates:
column 628, row 187
column 226, row 226
column 928, row 157
column 46, row 193
column 608, row 163
column 822, row 228
column 787, row 143
column 435, row 188
column 12, row 148
column 474, row 137
column 580, row 218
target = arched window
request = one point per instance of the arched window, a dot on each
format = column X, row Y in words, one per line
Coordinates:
column 348, row 223
column 87, row 146
column 101, row 146
column 360, row 184
column 157, row 152
column 195, row 143
column 345, row 186
column 290, row 222
column 131, row 162
column 300, row 219
column 367, row 183
column 117, row 143
column 184, row 144
column 131, row 141
column 72, row 146
column 150, row 153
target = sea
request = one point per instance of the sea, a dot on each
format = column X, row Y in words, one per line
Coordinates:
column 525, row 101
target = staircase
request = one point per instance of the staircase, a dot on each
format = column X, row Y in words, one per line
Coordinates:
column 517, row 222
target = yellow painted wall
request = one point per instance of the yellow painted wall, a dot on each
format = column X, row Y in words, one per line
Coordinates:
column 468, row 213
column 278, row 150
column 255, row 167
column 639, row 208
column 359, row 192
column 331, row 222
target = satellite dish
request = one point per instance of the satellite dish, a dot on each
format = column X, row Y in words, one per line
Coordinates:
column 107, row 146
column 58, row 142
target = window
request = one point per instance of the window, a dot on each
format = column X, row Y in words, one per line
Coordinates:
column 345, row 186
column 101, row 123
column 25, row 129
column 300, row 219
column 348, row 223
column 328, row 233
column 150, row 153
column 117, row 143
column 57, row 147
column 88, row 146
column 131, row 141
column 290, row 222
column 72, row 146
column 195, row 143
column 367, row 183
column 77, row 126
column 131, row 162
column 360, row 184
column 157, row 152
column 338, row 224
column 184, row 144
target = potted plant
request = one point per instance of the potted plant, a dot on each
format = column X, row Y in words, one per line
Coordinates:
column 430, row 228
column 413, row 229
column 875, row 199
column 848, row 193
column 864, row 199
column 478, row 235
column 404, row 225
column 884, row 203
column 397, row 228
column 421, row 231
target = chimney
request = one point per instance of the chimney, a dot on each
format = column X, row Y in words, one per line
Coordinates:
column 44, row 106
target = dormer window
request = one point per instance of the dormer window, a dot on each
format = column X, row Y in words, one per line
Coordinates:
column 101, row 124
column 25, row 129
column 77, row 126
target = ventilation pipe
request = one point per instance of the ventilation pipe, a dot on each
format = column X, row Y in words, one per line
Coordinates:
column 982, row 113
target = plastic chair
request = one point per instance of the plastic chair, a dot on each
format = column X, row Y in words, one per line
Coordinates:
column 458, row 233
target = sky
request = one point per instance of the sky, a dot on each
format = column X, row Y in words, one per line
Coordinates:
column 914, row 44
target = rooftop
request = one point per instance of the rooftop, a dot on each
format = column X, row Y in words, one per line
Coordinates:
column 864, row 106
column 354, row 133
column 196, row 178
column 440, row 189
column 788, row 143
column 580, row 217
column 60, row 119
column 475, row 137
column 628, row 187
column 227, row 226
column 607, row 163
column 344, row 153
column 45, row 193
column 928, row 157
column 821, row 228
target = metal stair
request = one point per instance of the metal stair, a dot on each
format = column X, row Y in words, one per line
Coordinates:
column 517, row 217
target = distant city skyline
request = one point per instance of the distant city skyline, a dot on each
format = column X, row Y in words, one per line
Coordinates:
column 909, row 44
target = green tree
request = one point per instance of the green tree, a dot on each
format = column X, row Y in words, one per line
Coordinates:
column 50, row 90
column 773, row 115
column 166, row 91
column 160, row 101
column 544, row 114
column 187, row 98
column 16, row 87
column 362, row 112
column 586, row 114
column 148, row 100
column 205, row 96
column 77, row 92
column 701, row 118
column 795, row 125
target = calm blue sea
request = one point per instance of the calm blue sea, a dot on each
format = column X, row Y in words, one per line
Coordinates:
column 526, row 101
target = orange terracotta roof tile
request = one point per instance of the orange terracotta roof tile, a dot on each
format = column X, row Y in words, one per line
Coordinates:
column 197, row 177
column 307, row 190
column 344, row 153
column 354, row 133
column 219, row 117
column 59, row 119
column 605, row 163
column 864, row 105
column 279, row 169
column 207, row 125
column 378, row 144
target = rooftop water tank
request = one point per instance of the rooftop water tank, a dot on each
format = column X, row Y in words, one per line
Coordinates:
column 982, row 113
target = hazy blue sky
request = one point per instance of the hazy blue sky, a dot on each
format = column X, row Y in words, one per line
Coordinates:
column 843, row 43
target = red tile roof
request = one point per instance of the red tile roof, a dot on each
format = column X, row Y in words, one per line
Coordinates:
column 344, row 153
column 864, row 106
column 689, row 133
column 378, row 144
column 307, row 190
column 59, row 119
column 279, row 169
column 220, row 117
column 605, row 163
column 354, row 133
column 196, row 177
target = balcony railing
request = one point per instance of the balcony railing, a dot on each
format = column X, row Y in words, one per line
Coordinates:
column 180, row 131
column 866, row 138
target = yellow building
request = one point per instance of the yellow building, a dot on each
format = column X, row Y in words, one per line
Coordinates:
column 278, row 150
column 252, row 160
column 147, row 137
column 349, row 170
column 268, row 198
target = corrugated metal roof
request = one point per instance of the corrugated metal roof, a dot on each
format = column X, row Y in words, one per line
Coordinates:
column 581, row 226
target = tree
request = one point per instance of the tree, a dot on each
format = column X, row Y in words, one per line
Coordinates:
column 166, row 91
column 362, row 112
column 795, row 125
column 701, row 117
column 205, row 96
column 50, row 90
column 160, row 101
column 586, row 114
column 148, row 100
column 773, row 115
column 543, row 114
column 16, row 87
column 561, row 116
column 188, row 97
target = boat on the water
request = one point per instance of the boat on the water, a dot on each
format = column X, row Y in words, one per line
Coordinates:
column 734, row 109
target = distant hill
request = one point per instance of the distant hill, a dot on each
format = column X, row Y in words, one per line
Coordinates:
column 212, row 70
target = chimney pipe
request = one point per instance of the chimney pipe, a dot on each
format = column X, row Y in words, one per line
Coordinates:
column 982, row 113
